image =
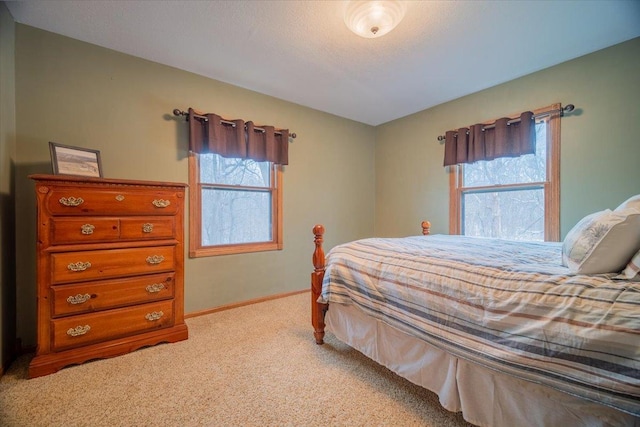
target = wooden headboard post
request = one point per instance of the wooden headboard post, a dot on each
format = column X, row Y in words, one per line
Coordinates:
column 318, row 309
column 426, row 228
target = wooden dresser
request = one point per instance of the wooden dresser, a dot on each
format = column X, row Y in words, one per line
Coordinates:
column 110, row 259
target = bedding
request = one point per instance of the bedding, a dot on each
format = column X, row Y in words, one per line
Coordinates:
column 631, row 202
column 632, row 271
column 511, row 307
column 485, row 397
column 602, row 242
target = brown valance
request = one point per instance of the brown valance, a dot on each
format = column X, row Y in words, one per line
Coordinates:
column 505, row 138
column 210, row 133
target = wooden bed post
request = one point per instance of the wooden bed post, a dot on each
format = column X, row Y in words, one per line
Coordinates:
column 426, row 228
column 318, row 309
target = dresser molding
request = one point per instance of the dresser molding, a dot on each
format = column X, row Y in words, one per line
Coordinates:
column 110, row 258
column 49, row 363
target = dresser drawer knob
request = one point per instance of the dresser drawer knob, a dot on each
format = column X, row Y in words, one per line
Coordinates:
column 79, row 266
column 78, row 299
column 87, row 228
column 78, row 330
column 156, row 287
column 147, row 228
column 155, row 259
column 71, row 201
column 119, row 197
column 156, row 315
column 161, row 203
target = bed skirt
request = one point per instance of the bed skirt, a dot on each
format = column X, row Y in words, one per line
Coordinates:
column 485, row 397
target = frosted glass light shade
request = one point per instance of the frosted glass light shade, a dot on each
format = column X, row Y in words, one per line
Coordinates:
column 373, row 18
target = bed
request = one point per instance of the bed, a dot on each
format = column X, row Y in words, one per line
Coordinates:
column 502, row 331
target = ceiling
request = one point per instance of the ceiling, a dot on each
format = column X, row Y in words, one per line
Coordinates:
column 301, row 51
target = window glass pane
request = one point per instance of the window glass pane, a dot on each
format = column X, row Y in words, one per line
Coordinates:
column 235, row 216
column 215, row 169
column 511, row 170
column 513, row 215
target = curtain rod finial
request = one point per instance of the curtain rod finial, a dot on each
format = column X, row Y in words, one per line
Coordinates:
column 177, row 112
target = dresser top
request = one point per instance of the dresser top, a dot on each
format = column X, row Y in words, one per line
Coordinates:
column 73, row 179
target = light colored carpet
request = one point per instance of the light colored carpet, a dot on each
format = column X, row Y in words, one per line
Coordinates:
column 256, row 365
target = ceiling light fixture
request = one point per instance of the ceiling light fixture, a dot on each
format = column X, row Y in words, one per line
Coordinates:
column 373, row 18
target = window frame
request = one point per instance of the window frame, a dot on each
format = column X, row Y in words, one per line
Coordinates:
column 551, row 185
column 197, row 249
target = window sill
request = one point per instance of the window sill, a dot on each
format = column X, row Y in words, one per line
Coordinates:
column 235, row 249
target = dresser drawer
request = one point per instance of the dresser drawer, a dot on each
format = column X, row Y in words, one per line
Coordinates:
column 141, row 228
column 108, row 201
column 96, row 327
column 84, row 230
column 82, row 266
column 69, row 230
column 96, row 296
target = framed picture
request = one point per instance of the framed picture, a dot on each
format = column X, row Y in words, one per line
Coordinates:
column 68, row 160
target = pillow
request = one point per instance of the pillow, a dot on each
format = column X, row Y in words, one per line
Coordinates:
column 631, row 202
column 632, row 272
column 602, row 242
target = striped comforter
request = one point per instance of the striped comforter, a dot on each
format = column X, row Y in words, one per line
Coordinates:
column 510, row 306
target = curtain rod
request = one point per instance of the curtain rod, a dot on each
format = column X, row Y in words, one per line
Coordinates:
column 178, row 112
column 568, row 108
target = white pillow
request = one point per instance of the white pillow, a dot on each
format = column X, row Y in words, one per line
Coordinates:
column 632, row 272
column 631, row 202
column 602, row 242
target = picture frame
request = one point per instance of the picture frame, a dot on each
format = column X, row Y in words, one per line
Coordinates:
column 69, row 160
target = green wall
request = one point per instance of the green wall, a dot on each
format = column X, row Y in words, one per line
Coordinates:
column 600, row 141
column 80, row 94
column 7, row 201
column 355, row 179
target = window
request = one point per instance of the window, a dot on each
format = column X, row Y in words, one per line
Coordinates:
column 235, row 205
column 514, row 198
